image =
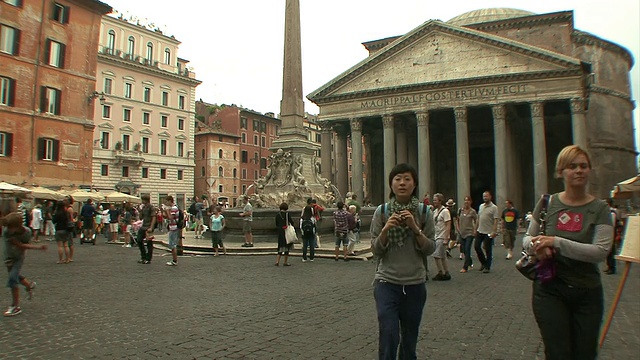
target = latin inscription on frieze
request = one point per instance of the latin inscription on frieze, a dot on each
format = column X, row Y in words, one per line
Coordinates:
column 447, row 95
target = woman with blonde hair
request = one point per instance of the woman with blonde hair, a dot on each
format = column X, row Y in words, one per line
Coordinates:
column 567, row 295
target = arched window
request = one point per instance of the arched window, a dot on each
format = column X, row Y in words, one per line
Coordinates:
column 167, row 56
column 149, row 52
column 111, row 41
column 202, row 173
column 235, row 173
column 220, row 171
column 131, row 46
column 235, row 155
column 203, row 153
column 220, row 154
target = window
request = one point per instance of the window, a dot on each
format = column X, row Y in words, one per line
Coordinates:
column 145, row 145
column 163, row 173
column 149, row 52
column 244, row 189
column 126, row 142
column 181, row 102
column 104, row 170
column 7, row 91
column 263, row 141
column 55, row 53
column 180, row 174
column 263, row 163
column 17, row 3
column 104, row 140
column 125, row 171
column 203, row 153
column 318, row 138
column 180, row 124
column 243, row 123
column 256, row 125
column 50, row 100
column 263, row 127
column 144, row 173
column 128, row 87
column 244, row 138
column 163, row 147
column 202, row 173
column 147, row 94
column 108, row 83
column 106, row 112
column 145, row 118
column 244, row 175
column 9, row 40
column 255, row 175
column 220, row 171
column 220, row 153
column 126, row 115
column 235, row 173
column 131, row 47
column 60, row 13
column 48, row 149
column 165, row 98
column 220, row 188
column 6, row 144
column 180, row 149
column 255, row 158
column 164, row 120
column 235, row 189
column 167, row 56
column 255, row 139
column 111, row 42
column 235, row 155
column 245, row 156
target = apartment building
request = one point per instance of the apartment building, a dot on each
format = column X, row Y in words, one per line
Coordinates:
column 145, row 124
column 47, row 79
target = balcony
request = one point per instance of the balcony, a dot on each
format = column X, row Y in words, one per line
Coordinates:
column 129, row 157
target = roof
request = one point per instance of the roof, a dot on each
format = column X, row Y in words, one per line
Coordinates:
column 487, row 15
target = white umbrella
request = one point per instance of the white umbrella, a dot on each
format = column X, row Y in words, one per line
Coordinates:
column 121, row 197
column 81, row 195
column 10, row 189
column 627, row 188
column 46, row 194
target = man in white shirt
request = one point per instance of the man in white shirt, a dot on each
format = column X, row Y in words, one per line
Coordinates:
column 488, row 217
column 442, row 220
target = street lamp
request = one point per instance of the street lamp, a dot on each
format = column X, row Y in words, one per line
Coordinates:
column 96, row 94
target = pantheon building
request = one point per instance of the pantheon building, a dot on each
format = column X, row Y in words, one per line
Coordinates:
column 484, row 101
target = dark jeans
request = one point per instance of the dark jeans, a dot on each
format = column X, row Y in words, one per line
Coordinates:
column 145, row 254
column 399, row 315
column 486, row 256
column 308, row 242
column 611, row 260
column 569, row 319
column 467, row 243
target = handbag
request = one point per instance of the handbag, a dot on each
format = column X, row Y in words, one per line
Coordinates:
column 528, row 265
column 290, row 233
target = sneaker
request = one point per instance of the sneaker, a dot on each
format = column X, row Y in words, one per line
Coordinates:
column 172, row 263
column 146, row 262
column 245, row 245
column 30, row 290
column 286, row 264
column 486, row 270
column 304, row 260
column 13, row 311
column 438, row 277
column 508, row 257
column 461, row 257
column 141, row 261
column 311, row 260
column 250, row 245
column 128, row 245
column 481, row 268
column 446, row 276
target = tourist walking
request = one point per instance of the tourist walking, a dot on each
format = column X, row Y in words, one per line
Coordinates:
column 510, row 217
column 36, row 221
column 247, row 217
column 148, row 217
column 218, row 223
column 87, row 215
column 62, row 219
column 442, row 223
column 354, row 230
column 71, row 228
column 283, row 220
column 578, row 232
column 488, row 217
column 308, row 230
column 403, row 236
column 114, row 221
column 317, row 211
column 467, row 221
column 49, row 228
column 16, row 239
column 341, row 229
column 171, row 213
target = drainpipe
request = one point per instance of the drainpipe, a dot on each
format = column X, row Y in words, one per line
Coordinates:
column 34, row 140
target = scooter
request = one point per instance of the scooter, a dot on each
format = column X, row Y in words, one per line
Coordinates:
column 91, row 239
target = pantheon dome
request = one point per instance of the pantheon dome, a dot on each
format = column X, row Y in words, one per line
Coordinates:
column 487, row 15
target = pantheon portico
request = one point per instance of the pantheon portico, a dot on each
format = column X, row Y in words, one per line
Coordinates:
column 484, row 101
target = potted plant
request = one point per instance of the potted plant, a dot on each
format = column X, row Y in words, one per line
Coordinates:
column 119, row 145
column 137, row 147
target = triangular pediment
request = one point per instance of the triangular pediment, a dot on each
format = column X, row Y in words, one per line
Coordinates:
column 437, row 53
column 145, row 131
column 181, row 137
column 164, row 134
column 127, row 128
column 105, row 125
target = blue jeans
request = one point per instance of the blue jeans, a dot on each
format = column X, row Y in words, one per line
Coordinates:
column 399, row 314
column 466, row 249
column 308, row 242
column 569, row 319
column 486, row 242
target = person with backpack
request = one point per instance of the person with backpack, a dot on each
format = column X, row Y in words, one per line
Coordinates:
column 402, row 233
column 308, row 229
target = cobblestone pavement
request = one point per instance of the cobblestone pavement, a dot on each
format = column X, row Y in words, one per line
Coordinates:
column 106, row 306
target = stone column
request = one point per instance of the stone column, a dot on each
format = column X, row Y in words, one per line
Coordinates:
column 424, row 153
column 389, row 148
column 367, row 166
column 500, row 150
column 342, row 165
column 539, row 149
column 357, row 179
column 325, row 151
column 401, row 142
column 579, row 122
column 462, row 154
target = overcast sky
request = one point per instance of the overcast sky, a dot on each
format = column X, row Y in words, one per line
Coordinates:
column 235, row 46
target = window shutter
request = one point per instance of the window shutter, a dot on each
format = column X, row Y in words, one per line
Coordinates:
column 65, row 18
column 63, row 49
column 43, row 99
column 40, row 148
column 56, row 150
column 58, row 102
column 47, row 51
column 12, row 92
column 8, row 144
column 16, row 41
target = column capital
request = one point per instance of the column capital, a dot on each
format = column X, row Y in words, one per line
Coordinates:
column 422, row 117
column 325, row 126
column 356, row 124
column 577, row 106
column 387, row 121
column 537, row 108
column 460, row 113
column 499, row 111
column 341, row 130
